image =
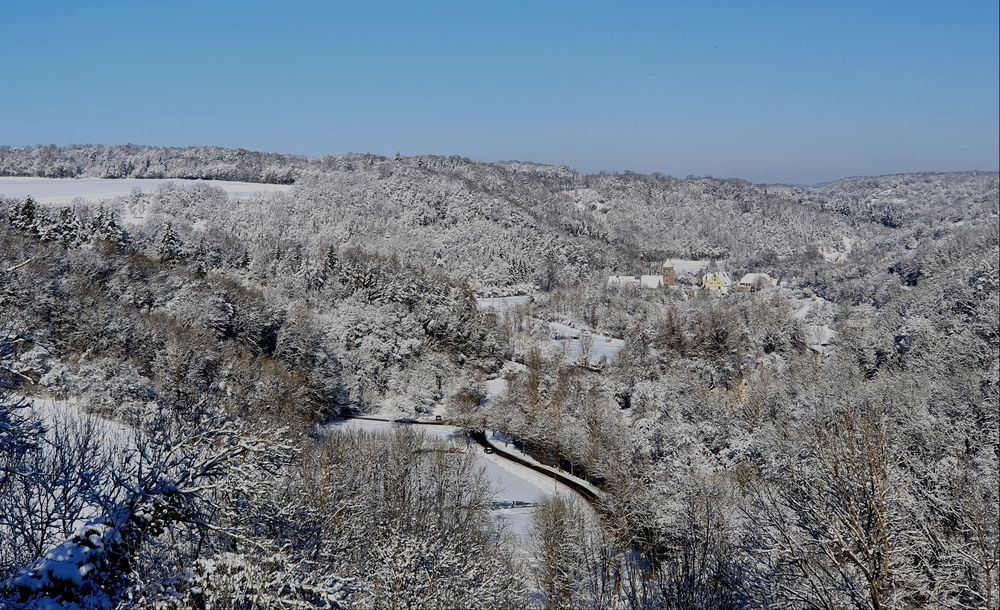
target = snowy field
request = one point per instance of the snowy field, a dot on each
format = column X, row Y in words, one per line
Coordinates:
column 498, row 386
column 107, row 441
column 566, row 337
column 512, row 482
column 495, row 387
column 834, row 255
column 65, row 190
column 112, row 436
column 818, row 314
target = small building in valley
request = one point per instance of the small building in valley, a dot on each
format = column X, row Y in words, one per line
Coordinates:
column 752, row 282
column 625, row 281
column 676, row 268
column 651, row 281
column 674, row 273
column 717, row 281
column 636, row 281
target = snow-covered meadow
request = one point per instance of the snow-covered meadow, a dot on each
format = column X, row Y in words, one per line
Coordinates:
column 576, row 341
column 703, row 423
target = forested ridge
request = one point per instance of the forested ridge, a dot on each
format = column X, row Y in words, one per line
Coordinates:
column 831, row 441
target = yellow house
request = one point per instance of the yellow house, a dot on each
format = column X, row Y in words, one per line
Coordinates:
column 717, row 281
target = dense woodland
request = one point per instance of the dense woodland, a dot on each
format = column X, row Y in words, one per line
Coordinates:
column 742, row 462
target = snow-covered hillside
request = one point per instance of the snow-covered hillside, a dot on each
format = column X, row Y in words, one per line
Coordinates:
column 64, row 190
column 734, row 445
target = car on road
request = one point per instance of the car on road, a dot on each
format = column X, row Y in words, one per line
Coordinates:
column 488, row 450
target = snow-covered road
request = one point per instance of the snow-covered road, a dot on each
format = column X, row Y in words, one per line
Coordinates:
column 512, row 482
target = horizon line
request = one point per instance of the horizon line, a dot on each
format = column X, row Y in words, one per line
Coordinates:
column 562, row 166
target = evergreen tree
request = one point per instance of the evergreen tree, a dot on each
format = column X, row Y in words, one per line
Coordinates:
column 170, row 245
column 107, row 229
column 67, row 229
column 25, row 216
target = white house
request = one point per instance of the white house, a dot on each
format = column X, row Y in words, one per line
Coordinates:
column 756, row 281
column 651, row 281
column 638, row 281
column 623, row 281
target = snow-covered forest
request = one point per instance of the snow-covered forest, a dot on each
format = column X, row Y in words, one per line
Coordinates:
column 177, row 365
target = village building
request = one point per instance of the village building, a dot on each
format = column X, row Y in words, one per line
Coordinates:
column 625, row 281
column 636, row 281
column 669, row 275
column 670, row 272
column 753, row 282
column 666, row 278
column 678, row 268
column 651, row 281
column 717, row 281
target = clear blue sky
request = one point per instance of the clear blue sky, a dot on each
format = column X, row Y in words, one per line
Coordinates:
column 771, row 91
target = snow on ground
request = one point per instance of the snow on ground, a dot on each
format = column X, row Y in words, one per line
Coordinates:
column 501, row 304
column 65, row 190
column 586, row 199
column 495, row 387
column 819, row 337
column 112, row 439
column 834, row 255
column 512, row 482
column 808, row 308
column 498, row 386
column 497, row 439
column 113, row 435
column 687, row 266
column 567, row 337
column 817, row 314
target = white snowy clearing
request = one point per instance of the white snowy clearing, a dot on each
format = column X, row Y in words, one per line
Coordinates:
column 567, row 337
column 100, row 438
column 498, row 385
column 513, row 483
column 112, row 436
column 834, row 255
column 495, row 387
column 65, row 190
column 818, row 314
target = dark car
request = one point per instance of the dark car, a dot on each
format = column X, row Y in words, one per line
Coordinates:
column 488, row 450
